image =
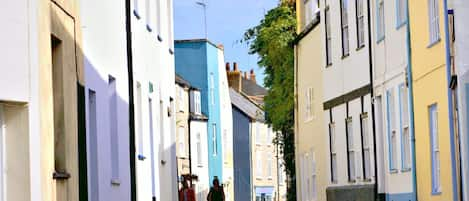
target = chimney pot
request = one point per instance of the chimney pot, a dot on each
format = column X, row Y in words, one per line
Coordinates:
column 227, row 66
column 221, row 47
column 246, row 75
column 253, row 76
column 235, row 66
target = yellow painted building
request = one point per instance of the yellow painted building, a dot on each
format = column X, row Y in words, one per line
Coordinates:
column 311, row 136
column 431, row 111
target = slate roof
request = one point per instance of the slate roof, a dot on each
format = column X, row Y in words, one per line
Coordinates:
column 251, row 88
column 246, row 106
column 181, row 81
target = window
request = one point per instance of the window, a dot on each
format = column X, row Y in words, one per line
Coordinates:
column 366, row 147
column 170, row 25
column 333, row 152
column 148, row 17
column 199, row 149
column 212, row 89
column 360, row 24
column 345, row 33
column 180, row 96
column 392, row 130
column 433, row 21
column 435, row 149
column 152, row 147
column 258, row 133
column 136, row 10
column 259, row 165
column 93, row 146
column 303, row 171
column 405, row 135
column 309, row 104
column 214, row 140
column 269, row 165
column 281, row 173
column 328, row 37
column 401, row 6
column 380, row 20
column 158, row 18
column 139, row 121
column 313, row 179
column 311, row 9
column 182, row 145
column 269, row 136
column 350, row 150
column 112, row 98
column 197, row 104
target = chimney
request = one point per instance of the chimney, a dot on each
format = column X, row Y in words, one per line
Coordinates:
column 246, row 75
column 221, row 47
column 252, row 76
column 234, row 77
column 227, row 67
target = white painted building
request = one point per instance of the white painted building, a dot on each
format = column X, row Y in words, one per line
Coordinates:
column 199, row 146
column 154, row 94
column 347, row 99
column 226, row 128
column 391, row 100
column 107, row 99
column 460, row 63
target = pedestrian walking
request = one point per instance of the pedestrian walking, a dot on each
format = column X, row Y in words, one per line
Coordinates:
column 186, row 193
column 216, row 192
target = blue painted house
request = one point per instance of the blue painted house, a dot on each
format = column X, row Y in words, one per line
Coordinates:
column 198, row 62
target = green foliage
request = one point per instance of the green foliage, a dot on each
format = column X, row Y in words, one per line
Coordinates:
column 273, row 40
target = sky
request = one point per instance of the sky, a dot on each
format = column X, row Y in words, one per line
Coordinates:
column 227, row 20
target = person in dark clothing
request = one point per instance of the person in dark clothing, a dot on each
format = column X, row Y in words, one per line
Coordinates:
column 186, row 193
column 216, row 192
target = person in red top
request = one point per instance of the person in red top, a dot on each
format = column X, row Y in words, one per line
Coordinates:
column 186, row 193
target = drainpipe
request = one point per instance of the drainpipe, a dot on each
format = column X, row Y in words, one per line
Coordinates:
column 411, row 105
column 128, row 28
column 450, row 102
column 189, row 131
column 370, row 61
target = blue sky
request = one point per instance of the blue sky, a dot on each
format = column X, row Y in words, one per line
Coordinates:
column 227, row 20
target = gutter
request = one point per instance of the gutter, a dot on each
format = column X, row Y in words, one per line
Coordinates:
column 411, row 105
column 450, row 103
column 128, row 29
column 370, row 61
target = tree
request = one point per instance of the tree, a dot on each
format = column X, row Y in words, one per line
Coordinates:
column 273, row 40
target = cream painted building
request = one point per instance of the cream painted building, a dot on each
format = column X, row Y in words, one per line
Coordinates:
column 344, row 101
column 392, row 95
column 42, row 112
column 311, row 136
column 182, row 128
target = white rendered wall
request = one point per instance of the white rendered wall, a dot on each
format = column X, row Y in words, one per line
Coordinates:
column 461, row 13
column 203, row 184
column 153, row 63
column 104, row 49
column 389, row 70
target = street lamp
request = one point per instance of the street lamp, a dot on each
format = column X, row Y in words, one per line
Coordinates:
column 204, row 6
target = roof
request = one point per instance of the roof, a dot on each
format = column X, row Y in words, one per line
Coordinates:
column 181, row 81
column 246, row 106
column 251, row 88
column 201, row 40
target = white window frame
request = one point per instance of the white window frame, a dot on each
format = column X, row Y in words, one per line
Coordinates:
column 170, row 24
column 113, row 126
column 182, row 144
column 212, row 89
column 405, row 128
column 328, row 36
column 214, row 140
column 226, row 147
column 258, row 133
column 197, row 103
column 148, row 17
column 311, row 8
column 333, row 153
column 313, row 174
column 433, row 21
column 345, row 28
column 352, row 158
column 360, row 17
column 180, row 95
column 259, row 165
column 366, row 147
column 380, row 22
column 199, row 149
column 269, row 165
column 392, row 130
column 401, row 11
column 435, row 149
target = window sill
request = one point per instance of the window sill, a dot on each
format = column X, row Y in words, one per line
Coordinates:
column 115, row 182
column 367, row 180
column 149, row 29
column 352, row 181
column 393, row 171
column 406, row 170
column 436, row 192
column 345, row 56
column 141, row 157
column 434, row 43
column 360, row 47
column 380, row 39
column 136, row 15
column 269, row 178
column 401, row 24
column 200, row 166
column 159, row 38
column 171, row 51
column 328, row 65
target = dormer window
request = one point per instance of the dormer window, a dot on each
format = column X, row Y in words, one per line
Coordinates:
column 196, row 106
